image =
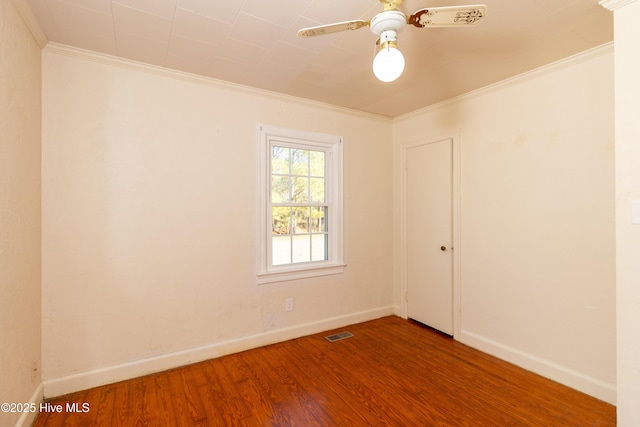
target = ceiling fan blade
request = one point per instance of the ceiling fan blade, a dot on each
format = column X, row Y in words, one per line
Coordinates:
column 332, row 28
column 448, row 16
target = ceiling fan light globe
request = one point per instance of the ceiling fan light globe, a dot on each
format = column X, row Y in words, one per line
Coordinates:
column 388, row 64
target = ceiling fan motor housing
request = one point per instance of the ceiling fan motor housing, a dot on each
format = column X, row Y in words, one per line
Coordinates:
column 387, row 38
column 390, row 20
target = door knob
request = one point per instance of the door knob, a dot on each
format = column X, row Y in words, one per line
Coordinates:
column 443, row 248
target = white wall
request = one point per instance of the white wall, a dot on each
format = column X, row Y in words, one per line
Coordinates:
column 149, row 201
column 20, row 118
column 537, row 254
column 627, row 107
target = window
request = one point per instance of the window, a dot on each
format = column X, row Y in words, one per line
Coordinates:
column 300, row 204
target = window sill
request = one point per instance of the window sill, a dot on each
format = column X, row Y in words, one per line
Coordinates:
column 299, row 273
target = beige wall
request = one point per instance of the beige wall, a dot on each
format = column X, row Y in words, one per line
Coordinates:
column 537, row 222
column 20, row 119
column 149, row 220
column 149, row 201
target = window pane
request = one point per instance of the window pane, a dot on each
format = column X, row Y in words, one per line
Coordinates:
column 319, row 248
column 280, row 189
column 281, row 220
column 281, row 250
column 300, row 189
column 317, row 165
column 317, row 190
column 302, row 248
column 300, row 162
column 300, row 220
column 318, row 219
column 280, row 160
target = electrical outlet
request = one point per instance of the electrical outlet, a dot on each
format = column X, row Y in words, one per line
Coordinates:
column 288, row 304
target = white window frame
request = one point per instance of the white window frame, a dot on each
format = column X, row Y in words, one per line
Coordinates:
column 332, row 145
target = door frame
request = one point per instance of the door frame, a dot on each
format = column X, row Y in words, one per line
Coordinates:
column 455, row 225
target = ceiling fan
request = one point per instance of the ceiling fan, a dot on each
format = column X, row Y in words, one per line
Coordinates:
column 388, row 63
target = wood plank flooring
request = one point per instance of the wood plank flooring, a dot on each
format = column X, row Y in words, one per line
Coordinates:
column 392, row 372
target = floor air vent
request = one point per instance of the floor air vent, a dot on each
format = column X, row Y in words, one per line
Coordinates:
column 340, row 336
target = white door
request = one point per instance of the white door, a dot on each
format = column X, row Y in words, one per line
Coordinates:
column 429, row 234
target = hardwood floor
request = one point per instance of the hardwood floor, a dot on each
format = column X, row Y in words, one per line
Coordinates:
column 392, row 372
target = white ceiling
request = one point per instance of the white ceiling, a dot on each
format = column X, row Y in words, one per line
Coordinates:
column 254, row 43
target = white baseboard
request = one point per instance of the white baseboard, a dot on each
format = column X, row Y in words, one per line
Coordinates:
column 576, row 380
column 110, row 374
column 397, row 311
column 27, row 418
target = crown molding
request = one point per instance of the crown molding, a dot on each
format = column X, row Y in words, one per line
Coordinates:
column 32, row 23
column 615, row 4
